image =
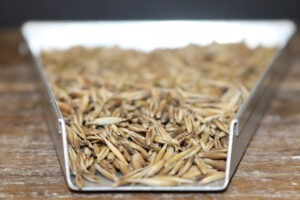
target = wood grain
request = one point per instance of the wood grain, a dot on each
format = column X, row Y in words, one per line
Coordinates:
column 29, row 166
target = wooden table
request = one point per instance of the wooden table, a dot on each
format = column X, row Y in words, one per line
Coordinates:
column 29, row 167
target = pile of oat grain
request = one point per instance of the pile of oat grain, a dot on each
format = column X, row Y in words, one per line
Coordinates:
column 160, row 118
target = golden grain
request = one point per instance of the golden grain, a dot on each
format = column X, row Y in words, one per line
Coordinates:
column 211, row 177
column 79, row 181
column 106, row 173
column 177, row 167
column 106, row 120
column 217, row 164
column 117, row 153
column 90, row 177
column 200, row 164
column 188, row 164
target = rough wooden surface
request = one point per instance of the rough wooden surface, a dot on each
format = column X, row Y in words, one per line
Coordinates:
column 29, row 166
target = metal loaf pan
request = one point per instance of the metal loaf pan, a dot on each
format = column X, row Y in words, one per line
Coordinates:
column 148, row 35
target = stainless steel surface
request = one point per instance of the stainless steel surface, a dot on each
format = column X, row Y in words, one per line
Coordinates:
column 250, row 114
column 148, row 35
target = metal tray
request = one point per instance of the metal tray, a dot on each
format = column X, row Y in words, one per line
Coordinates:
column 148, row 35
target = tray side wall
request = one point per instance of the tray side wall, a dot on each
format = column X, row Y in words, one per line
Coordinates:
column 248, row 121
